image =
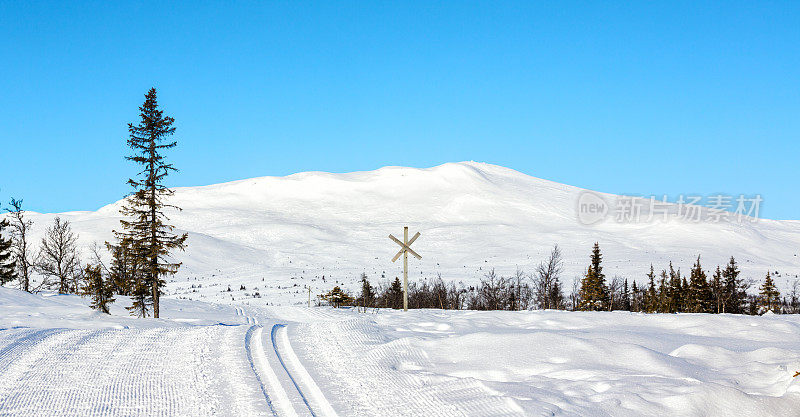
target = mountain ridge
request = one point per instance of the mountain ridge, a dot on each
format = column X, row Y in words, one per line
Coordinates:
column 473, row 216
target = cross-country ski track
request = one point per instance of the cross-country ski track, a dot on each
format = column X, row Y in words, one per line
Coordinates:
column 286, row 384
column 238, row 370
column 58, row 358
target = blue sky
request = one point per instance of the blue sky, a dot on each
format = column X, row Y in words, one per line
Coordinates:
column 651, row 98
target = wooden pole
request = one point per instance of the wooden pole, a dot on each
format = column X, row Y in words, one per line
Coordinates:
column 309, row 296
column 405, row 269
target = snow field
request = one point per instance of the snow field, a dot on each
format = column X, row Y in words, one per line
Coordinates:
column 59, row 359
column 431, row 362
column 368, row 375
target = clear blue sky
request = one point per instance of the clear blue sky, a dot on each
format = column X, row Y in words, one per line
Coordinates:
column 650, row 98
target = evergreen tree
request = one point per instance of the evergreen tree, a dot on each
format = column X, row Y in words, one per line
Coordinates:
column 124, row 270
column 675, row 290
column 626, row 296
column 99, row 289
column 8, row 266
column 734, row 293
column 651, row 297
column 770, row 296
column 141, row 297
column 395, row 294
column 717, row 290
column 699, row 294
column 685, row 295
column 151, row 238
column 367, row 297
column 556, row 297
column 337, row 297
column 636, row 304
column 593, row 292
column 663, row 305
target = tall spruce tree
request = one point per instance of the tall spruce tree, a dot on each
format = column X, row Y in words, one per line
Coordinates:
column 151, row 238
column 8, row 266
column 593, row 292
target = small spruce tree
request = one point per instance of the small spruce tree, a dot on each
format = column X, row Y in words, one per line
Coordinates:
column 367, row 297
column 651, row 296
column 96, row 287
column 395, row 294
column 717, row 290
column 626, row 296
column 337, row 297
column 734, row 294
column 699, row 294
column 675, row 290
column 663, row 293
column 141, row 296
column 593, row 292
column 770, row 296
column 636, row 300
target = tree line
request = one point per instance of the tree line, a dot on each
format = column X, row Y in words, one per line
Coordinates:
column 722, row 291
column 140, row 254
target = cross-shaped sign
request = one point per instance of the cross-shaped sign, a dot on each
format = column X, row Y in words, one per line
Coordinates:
column 405, row 249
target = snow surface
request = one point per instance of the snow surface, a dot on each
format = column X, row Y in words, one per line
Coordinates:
column 251, row 356
column 276, row 235
column 58, row 358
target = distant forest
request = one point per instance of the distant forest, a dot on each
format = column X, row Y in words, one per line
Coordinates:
column 721, row 291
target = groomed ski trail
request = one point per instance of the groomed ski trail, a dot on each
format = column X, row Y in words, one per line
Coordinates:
column 291, row 391
column 162, row 371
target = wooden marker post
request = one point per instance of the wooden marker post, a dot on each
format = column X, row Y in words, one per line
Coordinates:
column 405, row 249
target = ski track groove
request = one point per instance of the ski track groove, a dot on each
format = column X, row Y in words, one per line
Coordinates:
column 312, row 397
column 258, row 366
column 283, row 364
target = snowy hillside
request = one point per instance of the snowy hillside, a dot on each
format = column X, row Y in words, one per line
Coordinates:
column 280, row 234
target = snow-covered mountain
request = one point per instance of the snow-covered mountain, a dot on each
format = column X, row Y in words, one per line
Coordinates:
column 275, row 235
